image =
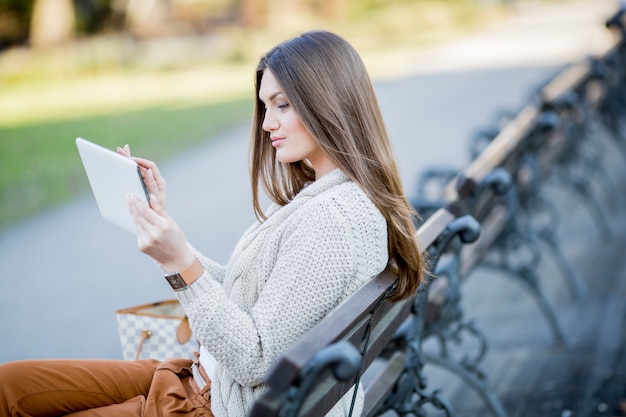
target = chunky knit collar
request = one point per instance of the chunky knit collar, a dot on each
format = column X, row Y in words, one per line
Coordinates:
column 311, row 189
column 276, row 214
column 314, row 188
column 331, row 179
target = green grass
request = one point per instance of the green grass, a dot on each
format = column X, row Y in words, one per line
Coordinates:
column 40, row 166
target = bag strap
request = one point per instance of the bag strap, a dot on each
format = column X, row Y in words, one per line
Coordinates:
column 183, row 331
column 145, row 335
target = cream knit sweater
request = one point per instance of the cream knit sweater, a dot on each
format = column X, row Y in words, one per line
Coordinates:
column 284, row 275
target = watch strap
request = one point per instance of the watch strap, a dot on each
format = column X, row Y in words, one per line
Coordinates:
column 180, row 280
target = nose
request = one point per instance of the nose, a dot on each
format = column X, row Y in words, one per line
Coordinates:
column 270, row 122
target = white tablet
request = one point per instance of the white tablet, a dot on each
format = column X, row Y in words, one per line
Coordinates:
column 112, row 176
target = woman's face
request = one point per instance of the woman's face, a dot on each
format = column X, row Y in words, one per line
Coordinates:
column 292, row 141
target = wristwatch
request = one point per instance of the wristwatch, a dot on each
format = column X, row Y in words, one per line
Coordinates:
column 181, row 280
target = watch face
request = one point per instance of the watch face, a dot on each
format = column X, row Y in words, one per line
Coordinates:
column 176, row 282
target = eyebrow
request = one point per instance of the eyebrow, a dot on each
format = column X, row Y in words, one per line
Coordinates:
column 273, row 96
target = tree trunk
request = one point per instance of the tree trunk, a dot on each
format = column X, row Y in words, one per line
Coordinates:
column 52, row 22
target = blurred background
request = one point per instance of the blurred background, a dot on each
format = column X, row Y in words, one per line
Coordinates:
column 174, row 79
column 165, row 75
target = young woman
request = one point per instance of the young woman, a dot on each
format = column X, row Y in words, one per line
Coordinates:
column 320, row 151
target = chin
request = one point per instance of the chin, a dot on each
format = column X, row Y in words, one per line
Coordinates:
column 286, row 160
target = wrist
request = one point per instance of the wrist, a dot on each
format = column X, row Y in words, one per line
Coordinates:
column 178, row 263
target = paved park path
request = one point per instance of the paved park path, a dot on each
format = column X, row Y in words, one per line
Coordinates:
column 66, row 271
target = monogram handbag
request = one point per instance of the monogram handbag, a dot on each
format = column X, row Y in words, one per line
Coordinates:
column 155, row 331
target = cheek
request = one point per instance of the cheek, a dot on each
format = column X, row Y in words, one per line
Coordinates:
column 299, row 135
column 294, row 124
column 305, row 138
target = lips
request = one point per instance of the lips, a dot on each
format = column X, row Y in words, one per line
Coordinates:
column 276, row 141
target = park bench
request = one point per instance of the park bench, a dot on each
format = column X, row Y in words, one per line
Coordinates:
column 502, row 189
column 482, row 215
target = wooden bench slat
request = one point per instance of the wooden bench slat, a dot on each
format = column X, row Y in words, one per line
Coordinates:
column 503, row 145
column 382, row 383
column 428, row 232
column 566, row 80
column 385, row 329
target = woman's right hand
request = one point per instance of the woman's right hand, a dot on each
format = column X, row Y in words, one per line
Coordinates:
column 155, row 183
column 158, row 234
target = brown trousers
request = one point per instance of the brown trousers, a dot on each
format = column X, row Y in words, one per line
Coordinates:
column 100, row 388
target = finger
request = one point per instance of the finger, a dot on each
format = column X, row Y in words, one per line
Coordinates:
column 157, row 206
column 142, row 213
column 151, row 184
column 127, row 149
column 140, row 223
column 149, row 180
column 146, row 163
column 142, row 233
column 122, row 152
column 132, row 209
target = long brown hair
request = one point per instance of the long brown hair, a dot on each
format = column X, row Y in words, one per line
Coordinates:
column 328, row 86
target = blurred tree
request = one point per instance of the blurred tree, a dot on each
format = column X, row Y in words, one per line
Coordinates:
column 93, row 16
column 252, row 12
column 332, row 9
column 52, row 22
column 147, row 17
column 14, row 21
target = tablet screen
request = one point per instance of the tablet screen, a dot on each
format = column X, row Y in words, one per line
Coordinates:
column 112, row 176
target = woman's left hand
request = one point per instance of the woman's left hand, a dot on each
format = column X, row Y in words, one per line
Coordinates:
column 158, row 235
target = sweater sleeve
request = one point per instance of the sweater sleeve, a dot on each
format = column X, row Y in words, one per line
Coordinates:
column 316, row 259
column 215, row 270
